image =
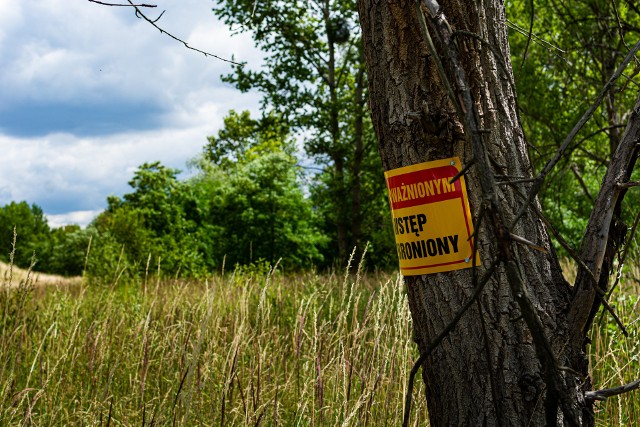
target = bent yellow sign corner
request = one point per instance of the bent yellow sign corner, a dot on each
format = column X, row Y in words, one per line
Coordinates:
column 431, row 217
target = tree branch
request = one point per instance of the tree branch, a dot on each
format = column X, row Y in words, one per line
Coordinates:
column 123, row 5
column 598, row 239
column 592, row 396
column 565, row 144
column 585, row 189
column 623, row 257
column 628, row 184
column 573, row 254
column 141, row 15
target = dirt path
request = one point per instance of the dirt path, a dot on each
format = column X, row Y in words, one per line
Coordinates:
column 38, row 279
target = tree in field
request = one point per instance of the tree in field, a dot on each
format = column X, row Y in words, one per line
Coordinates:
column 504, row 343
column 58, row 250
column 314, row 77
column 250, row 202
column 67, row 250
column 155, row 223
column 32, row 234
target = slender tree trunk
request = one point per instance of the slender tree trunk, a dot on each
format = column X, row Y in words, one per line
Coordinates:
column 488, row 371
column 341, row 216
column 356, row 185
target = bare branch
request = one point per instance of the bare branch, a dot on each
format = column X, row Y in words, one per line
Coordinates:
column 576, row 257
column 462, row 171
column 529, row 243
column 516, row 181
column 623, row 258
column 628, row 184
column 123, row 5
column 583, row 185
column 610, row 392
column 530, row 34
column 550, row 47
column 565, row 144
column 141, row 15
column 602, row 237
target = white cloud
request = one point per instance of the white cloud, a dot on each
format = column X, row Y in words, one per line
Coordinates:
column 10, row 18
column 81, row 218
column 82, row 50
column 61, row 51
column 63, row 172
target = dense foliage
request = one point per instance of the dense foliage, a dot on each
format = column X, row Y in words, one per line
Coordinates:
column 244, row 204
column 60, row 250
column 560, row 69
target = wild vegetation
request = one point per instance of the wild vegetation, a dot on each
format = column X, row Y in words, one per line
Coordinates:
column 214, row 299
column 249, row 347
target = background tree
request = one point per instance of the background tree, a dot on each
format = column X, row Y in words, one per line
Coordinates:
column 32, row 234
column 244, row 138
column 314, row 77
column 441, row 85
column 245, row 204
column 250, row 198
column 155, row 223
column 67, row 250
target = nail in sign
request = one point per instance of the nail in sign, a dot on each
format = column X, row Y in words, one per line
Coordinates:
column 431, row 217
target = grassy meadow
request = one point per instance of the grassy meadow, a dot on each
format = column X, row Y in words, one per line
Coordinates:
column 247, row 348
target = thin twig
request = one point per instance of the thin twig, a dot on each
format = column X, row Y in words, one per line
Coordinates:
column 123, row 5
column 516, row 181
column 540, row 41
column 526, row 242
column 629, row 184
column 462, row 171
column 526, row 46
column 623, row 258
column 583, row 185
column 153, row 22
column 573, row 254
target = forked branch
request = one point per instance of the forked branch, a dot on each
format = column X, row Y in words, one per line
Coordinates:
column 602, row 237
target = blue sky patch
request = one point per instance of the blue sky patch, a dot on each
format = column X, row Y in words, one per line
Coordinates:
column 32, row 120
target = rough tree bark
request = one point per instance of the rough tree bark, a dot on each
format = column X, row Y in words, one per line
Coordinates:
column 517, row 355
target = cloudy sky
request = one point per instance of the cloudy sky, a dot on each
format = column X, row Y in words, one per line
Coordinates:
column 90, row 92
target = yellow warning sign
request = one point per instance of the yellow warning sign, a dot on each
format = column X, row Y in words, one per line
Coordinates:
column 431, row 217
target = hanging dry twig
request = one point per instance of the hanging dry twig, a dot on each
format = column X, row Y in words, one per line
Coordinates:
column 153, row 22
column 124, row 5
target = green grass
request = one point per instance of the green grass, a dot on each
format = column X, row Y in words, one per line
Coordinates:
column 614, row 358
column 245, row 349
column 249, row 348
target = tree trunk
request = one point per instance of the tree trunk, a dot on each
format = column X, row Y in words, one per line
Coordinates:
column 336, row 154
column 358, row 154
column 494, row 367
